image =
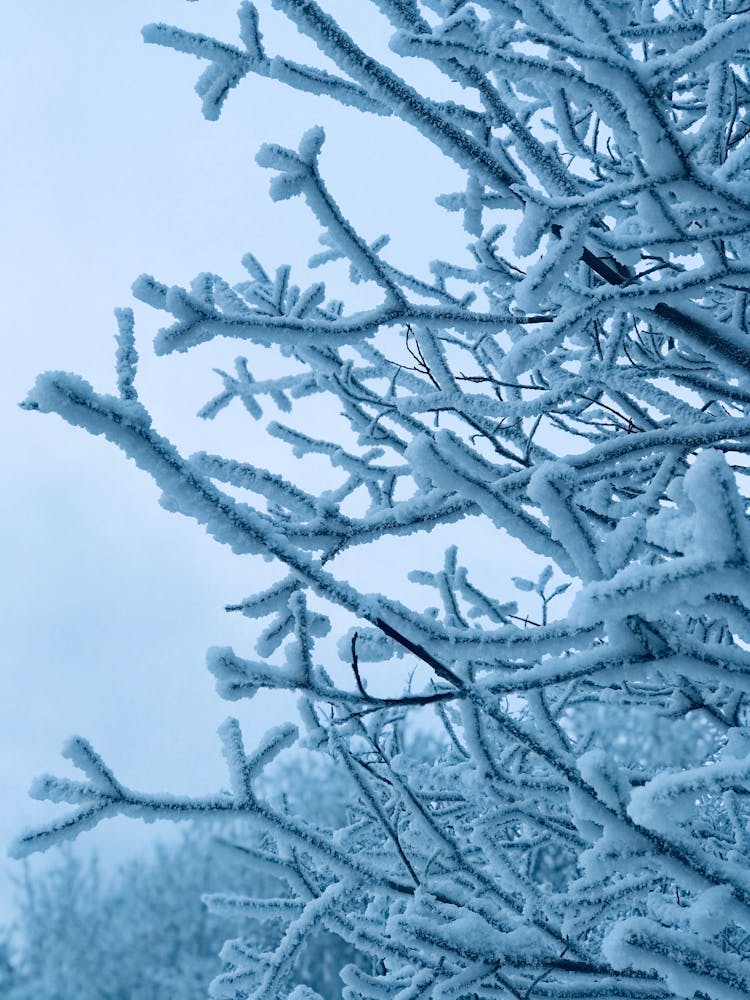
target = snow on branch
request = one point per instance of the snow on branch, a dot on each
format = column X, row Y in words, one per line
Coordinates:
column 572, row 821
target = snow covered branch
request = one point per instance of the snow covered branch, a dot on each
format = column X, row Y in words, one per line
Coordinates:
column 579, row 825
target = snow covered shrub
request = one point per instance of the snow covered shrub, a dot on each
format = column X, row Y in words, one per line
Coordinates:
column 580, row 380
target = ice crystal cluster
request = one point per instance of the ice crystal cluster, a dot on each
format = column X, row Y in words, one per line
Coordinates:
column 579, row 380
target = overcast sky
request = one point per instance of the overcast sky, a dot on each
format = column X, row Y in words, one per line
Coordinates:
column 109, row 170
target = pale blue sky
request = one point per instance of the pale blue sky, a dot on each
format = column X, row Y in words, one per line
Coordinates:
column 108, row 602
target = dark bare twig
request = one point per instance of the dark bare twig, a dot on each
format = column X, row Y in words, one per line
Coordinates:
column 355, row 668
column 629, row 421
column 419, row 651
column 416, row 352
column 412, row 699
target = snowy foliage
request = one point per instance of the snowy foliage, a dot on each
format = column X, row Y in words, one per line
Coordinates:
column 579, row 380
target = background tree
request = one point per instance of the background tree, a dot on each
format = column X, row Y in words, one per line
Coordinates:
column 582, row 831
column 140, row 933
column 144, row 933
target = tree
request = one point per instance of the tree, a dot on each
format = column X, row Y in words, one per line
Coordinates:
column 143, row 932
column 583, row 829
